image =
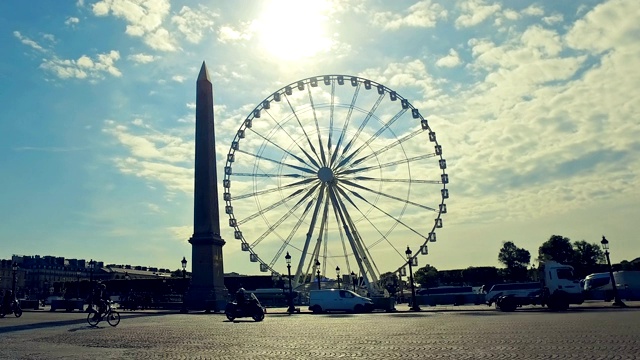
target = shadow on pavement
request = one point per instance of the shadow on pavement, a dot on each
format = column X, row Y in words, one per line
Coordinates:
column 51, row 324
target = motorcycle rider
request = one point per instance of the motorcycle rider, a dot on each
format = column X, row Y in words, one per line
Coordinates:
column 240, row 297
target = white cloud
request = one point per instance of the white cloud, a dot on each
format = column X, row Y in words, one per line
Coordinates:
column 533, row 10
column 71, row 21
column 474, row 12
column 228, row 34
column 144, row 19
column 84, row 67
column 423, row 14
column 25, row 40
column 142, row 58
column 553, row 19
column 193, row 24
column 595, row 31
column 178, row 78
column 451, row 60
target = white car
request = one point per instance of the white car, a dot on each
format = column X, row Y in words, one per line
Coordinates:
column 338, row 300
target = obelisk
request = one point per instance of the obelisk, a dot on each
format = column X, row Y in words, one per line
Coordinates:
column 207, row 290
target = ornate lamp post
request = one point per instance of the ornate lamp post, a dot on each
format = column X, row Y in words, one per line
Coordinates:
column 14, row 267
column 616, row 297
column 184, row 281
column 291, row 308
column 353, row 280
column 91, row 265
column 318, row 272
column 338, row 275
column 77, row 284
column 414, row 305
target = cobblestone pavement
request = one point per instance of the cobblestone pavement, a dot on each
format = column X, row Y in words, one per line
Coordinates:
column 474, row 333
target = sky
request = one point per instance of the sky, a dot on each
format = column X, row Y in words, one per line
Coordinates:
column 535, row 105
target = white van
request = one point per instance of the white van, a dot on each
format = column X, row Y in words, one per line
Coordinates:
column 338, row 300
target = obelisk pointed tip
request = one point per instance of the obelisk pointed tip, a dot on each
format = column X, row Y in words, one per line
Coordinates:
column 204, row 74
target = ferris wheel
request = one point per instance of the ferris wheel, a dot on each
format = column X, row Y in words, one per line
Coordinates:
column 336, row 170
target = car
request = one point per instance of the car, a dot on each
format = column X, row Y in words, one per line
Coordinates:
column 338, row 300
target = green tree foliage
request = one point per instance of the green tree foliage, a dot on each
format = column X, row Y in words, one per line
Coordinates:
column 557, row 248
column 483, row 275
column 426, row 276
column 586, row 258
column 515, row 259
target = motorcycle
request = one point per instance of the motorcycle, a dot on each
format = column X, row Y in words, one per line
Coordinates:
column 14, row 308
column 250, row 308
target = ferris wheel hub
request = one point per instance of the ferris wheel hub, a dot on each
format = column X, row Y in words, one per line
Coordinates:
column 325, row 175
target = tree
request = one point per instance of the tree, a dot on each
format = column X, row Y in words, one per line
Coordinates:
column 389, row 281
column 426, row 276
column 557, row 248
column 515, row 259
column 586, row 258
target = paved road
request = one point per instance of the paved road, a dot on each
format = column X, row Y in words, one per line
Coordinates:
column 581, row 333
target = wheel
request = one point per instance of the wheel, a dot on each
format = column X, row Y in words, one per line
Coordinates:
column 316, row 309
column 17, row 312
column 113, row 318
column 341, row 171
column 229, row 315
column 506, row 304
column 93, row 318
column 258, row 315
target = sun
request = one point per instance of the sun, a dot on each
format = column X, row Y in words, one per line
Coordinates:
column 294, row 29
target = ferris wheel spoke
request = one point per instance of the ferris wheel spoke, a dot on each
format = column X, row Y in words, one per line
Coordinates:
column 306, row 136
column 309, row 157
column 384, row 212
column 302, row 161
column 364, row 123
column 383, row 236
column 276, row 204
column 310, row 171
column 296, row 176
column 405, row 201
column 331, row 112
column 345, row 125
column 381, row 166
column 390, row 146
column 293, row 231
column 366, row 267
column 268, row 191
column 373, row 137
column 315, row 120
column 342, row 240
column 367, row 178
column 283, row 218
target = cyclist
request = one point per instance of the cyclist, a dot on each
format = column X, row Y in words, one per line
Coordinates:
column 100, row 298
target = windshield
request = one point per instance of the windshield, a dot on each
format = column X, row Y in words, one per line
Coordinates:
column 566, row 274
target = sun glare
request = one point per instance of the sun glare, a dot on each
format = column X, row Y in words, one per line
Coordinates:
column 294, row 29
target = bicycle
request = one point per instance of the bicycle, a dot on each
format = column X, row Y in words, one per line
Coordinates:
column 113, row 317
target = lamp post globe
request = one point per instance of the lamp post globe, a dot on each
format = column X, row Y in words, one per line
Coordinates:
column 616, row 296
column 414, row 305
column 291, row 309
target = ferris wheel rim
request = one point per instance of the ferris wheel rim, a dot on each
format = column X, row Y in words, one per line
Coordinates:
column 300, row 85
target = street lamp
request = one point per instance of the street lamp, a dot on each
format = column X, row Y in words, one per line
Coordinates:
column 15, row 271
column 353, row 280
column 91, row 265
column 184, row 282
column 78, row 284
column 338, row 275
column 414, row 305
column 318, row 272
column 291, row 308
column 617, row 301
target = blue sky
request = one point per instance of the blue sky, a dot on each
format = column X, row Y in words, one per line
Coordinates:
column 535, row 103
